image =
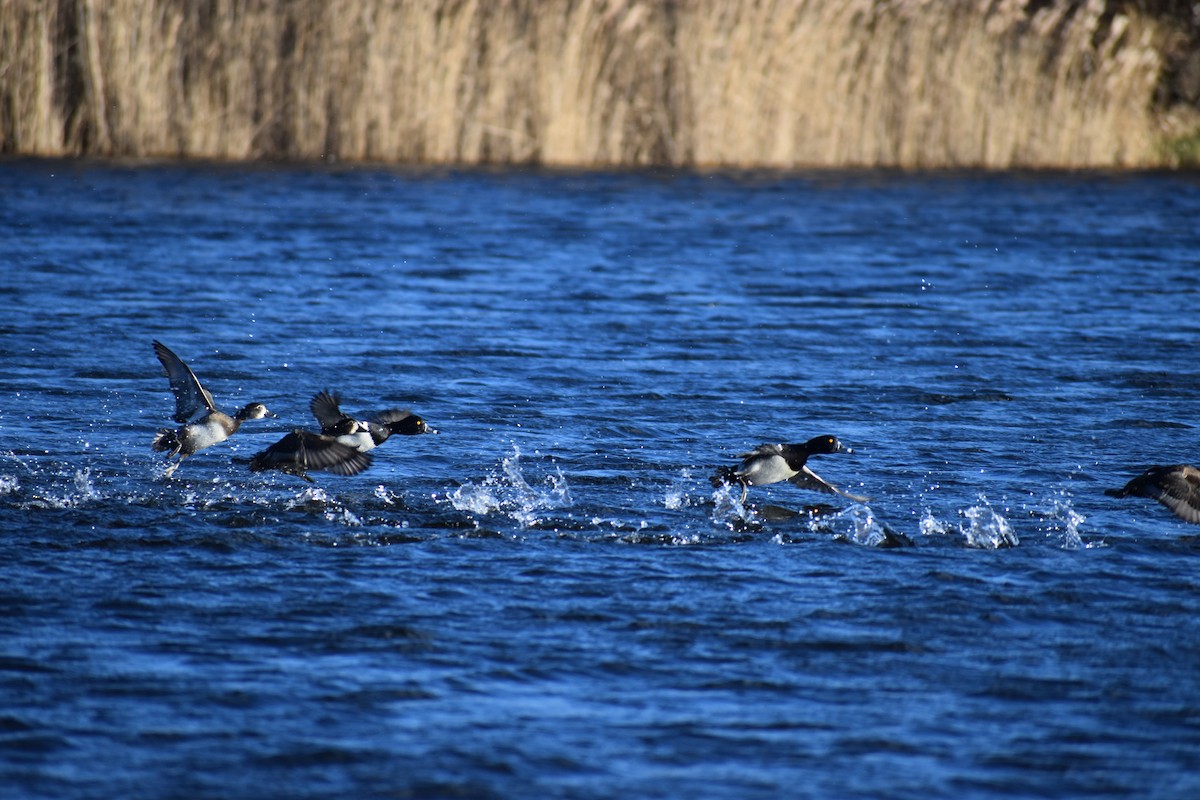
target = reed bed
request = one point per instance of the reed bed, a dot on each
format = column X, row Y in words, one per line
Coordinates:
column 743, row 83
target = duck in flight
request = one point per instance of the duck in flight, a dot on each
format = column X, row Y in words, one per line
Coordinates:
column 772, row 463
column 202, row 424
column 301, row 451
column 1177, row 487
column 363, row 434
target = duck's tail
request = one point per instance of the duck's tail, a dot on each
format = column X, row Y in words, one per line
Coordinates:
column 727, row 476
column 166, row 440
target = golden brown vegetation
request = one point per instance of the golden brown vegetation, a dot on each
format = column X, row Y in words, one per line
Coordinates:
column 774, row 83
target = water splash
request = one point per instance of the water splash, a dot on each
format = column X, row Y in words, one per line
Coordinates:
column 9, row 484
column 1063, row 521
column 677, row 496
column 345, row 517
column 930, row 525
column 310, row 497
column 510, row 493
column 388, row 498
column 859, row 524
column 83, row 490
column 728, row 508
column 986, row 528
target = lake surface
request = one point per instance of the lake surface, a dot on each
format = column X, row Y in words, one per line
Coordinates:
column 549, row 598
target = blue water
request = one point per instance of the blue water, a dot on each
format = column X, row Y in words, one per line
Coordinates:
column 549, row 599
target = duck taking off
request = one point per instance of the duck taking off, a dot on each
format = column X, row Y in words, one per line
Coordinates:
column 202, row 424
column 1177, row 487
column 772, row 463
column 363, row 434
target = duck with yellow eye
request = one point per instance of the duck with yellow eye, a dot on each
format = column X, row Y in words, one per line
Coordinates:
column 773, row 463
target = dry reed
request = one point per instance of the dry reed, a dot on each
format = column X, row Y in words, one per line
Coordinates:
column 747, row 83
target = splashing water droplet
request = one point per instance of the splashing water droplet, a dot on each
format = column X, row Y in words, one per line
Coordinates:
column 987, row 529
column 512, row 494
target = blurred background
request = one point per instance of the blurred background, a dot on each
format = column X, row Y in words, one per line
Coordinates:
column 709, row 83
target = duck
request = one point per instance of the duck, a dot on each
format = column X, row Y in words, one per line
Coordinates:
column 1176, row 486
column 301, row 451
column 773, row 463
column 363, row 434
column 202, row 423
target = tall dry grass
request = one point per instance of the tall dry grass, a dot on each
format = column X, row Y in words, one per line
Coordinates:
column 776, row 83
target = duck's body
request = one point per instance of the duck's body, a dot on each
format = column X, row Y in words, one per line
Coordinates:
column 302, row 451
column 203, row 424
column 773, row 463
column 363, row 434
column 1177, row 487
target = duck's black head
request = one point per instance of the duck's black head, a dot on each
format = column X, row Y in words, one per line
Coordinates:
column 825, row 444
column 410, row 426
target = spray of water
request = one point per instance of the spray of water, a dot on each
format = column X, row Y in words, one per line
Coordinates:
column 986, row 528
column 509, row 492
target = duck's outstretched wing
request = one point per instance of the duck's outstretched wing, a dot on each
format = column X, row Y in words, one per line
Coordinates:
column 807, row 479
column 326, row 407
column 190, row 397
column 1177, row 487
column 389, row 416
column 302, row 451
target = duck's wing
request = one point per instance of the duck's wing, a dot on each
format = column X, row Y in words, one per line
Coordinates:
column 762, row 450
column 326, row 407
column 389, row 416
column 1177, row 487
column 807, row 479
column 301, row 451
column 1180, row 492
column 190, row 396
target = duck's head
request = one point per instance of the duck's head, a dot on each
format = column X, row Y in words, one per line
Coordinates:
column 253, row 411
column 826, row 444
column 411, row 425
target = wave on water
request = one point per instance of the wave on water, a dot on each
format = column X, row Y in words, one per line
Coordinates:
column 316, row 499
column 508, row 492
